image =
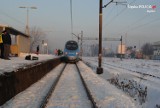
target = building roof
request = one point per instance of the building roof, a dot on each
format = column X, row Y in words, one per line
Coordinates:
column 156, row 43
column 14, row 31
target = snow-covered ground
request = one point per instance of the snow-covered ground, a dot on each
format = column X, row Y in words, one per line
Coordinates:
column 105, row 94
column 140, row 79
column 137, row 74
column 19, row 62
column 69, row 93
column 34, row 95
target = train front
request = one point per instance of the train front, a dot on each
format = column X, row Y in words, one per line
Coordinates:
column 71, row 51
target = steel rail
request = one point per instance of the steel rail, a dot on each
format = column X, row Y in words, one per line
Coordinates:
column 87, row 89
column 45, row 100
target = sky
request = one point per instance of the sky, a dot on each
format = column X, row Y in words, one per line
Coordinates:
column 136, row 25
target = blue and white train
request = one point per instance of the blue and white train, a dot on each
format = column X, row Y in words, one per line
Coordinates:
column 71, row 51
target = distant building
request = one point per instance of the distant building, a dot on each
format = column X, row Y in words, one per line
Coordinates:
column 156, row 52
column 121, row 50
column 138, row 54
column 20, row 41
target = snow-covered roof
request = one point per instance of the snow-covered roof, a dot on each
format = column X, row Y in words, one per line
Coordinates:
column 13, row 30
column 156, row 43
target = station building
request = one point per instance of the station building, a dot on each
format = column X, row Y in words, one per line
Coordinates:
column 20, row 40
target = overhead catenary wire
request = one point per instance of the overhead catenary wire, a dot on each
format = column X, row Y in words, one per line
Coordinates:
column 71, row 18
column 108, row 14
column 114, row 17
column 1, row 20
column 137, row 21
column 142, row 25
column 20, row 24
column 11, row 17
column 142, row 18
column 132, row 24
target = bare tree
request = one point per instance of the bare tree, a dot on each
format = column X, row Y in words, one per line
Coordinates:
column 147, row 49
column 94, row 49
column 37, row 35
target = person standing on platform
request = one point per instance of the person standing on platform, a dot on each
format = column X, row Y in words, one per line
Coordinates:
column 6, row 37
column 37, row 50
column 1, row 46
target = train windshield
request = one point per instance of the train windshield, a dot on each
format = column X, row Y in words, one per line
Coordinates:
column 71, row 45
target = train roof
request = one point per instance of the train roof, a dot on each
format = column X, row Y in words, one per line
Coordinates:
column 71, row 41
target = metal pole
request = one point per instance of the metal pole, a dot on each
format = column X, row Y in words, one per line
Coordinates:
column 99, row 68
column 78, row 39
column 121, row 47
column 81, row 44
column 27, row 26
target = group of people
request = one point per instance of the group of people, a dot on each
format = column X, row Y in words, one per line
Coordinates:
column 58, row 52
column 5, row 42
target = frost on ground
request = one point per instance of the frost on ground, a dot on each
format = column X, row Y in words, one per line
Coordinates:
column 34, row 95
column 20, row 62
column 105, row 95
column 139, row 79
column 69, row 92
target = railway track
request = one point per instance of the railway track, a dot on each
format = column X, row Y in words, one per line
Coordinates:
column 44, row 102
column 144, row 74
column 69, row 90
column 64, row 87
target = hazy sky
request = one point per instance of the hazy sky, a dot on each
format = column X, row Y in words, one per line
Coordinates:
column 136, row 25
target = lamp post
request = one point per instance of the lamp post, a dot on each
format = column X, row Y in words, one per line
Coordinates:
column 27, row 25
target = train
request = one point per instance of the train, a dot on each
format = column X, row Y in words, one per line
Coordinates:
column 71, row 51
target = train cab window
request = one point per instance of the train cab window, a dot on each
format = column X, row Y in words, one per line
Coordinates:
column 71, row 45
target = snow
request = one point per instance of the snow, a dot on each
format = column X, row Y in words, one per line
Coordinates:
column 20, row 62
column 34, row 95
column 105, row 95
column 142, row 73
column 69, row 92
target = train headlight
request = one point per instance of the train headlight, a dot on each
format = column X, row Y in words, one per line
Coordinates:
column 66, row 53
column 77, row 53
